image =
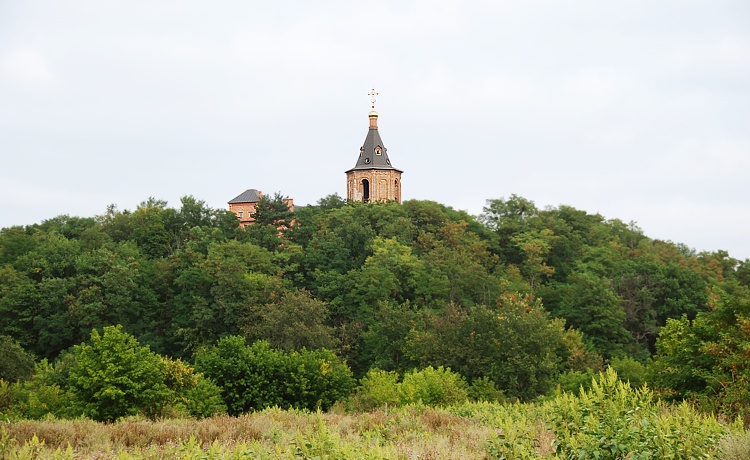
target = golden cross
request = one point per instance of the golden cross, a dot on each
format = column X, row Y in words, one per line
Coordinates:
column 373, row 96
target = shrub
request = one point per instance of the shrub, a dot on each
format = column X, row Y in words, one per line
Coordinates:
column 195, row 394
column 484, row 389
column 317, row 379
column 433, row 387
column 376, row 389
column 258, row 376
column 613, row 420
column 629, row 370
column 114, row 376
column 35, row 398
column 575, row 381
column 15, row 363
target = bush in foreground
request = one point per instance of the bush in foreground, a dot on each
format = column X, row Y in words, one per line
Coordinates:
column 110, row 377
column 253, row 377
column 429, row 386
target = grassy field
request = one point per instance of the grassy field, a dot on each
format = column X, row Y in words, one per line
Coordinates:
column 273, row 433
column 462, row 432
column 609, row 421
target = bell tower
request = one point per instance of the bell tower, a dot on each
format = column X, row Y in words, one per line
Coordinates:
column 373, row 178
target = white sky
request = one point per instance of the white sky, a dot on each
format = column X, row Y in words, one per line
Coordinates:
column 638, row 110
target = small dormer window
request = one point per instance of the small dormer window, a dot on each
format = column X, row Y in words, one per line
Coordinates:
column 378, row 150
column 387, row 161
column 367, row 161
column 361, row 151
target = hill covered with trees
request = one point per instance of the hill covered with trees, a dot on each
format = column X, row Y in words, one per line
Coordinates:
column 513, row 303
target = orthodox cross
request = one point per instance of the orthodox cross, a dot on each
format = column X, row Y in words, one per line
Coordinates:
column 373, row 96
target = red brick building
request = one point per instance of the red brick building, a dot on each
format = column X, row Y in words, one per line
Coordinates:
column 243, row 205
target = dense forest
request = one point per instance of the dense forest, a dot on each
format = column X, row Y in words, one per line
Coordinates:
column 307, row 309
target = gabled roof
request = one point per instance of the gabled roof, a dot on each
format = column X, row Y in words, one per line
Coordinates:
column 248, row 196
column 369, row 158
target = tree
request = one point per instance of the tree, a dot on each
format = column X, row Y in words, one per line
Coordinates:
column 293, row 322
column 253, row 377
column 391, row 273
column 15, row 242
column 651, row 292
column 216, row 295
column 272, row 218
column 588, row 303
column 384, row 342
column 114, row 376
column 148, row 229
column 15, row 363
column 501, row 214
column 331, row 202
column 459, row 265
column 507, row 218
column 514, row 344
column 535, row 245
column 433, row 387
column 114, row 286
column 707, row 358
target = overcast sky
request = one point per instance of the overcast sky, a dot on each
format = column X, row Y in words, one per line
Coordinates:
column 637, row 110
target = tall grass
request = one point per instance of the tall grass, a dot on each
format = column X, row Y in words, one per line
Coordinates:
column 610, row 420
column 411, row 432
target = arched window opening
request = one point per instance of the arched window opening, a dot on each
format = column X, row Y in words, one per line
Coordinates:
column 365, row 190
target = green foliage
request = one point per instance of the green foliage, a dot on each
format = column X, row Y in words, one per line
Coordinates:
column 535, row 247
column 385, row 341
column 653, row 291
column 588, row 303
column 508, row 218
column 433, row 387
column 37, row 398
column 272, row 217
column 15, row 363
column 575, row 381
column 385, row 285
column 613, row 420
column 114, row 376
column 14, row 242
column 252, row 377
column 378, row 388
column 581, row 355
column 219, row 294
column 293, row 322
column 707, row 358
column 515, row 344
column 194, row 394
column 429, row 386
column 629, row 370
column 459, row 263
column 484, row 389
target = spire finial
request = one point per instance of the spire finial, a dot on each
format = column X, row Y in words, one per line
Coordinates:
column 373, row 114
column 373, row 97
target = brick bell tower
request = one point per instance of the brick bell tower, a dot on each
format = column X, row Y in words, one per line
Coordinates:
column 373, row 178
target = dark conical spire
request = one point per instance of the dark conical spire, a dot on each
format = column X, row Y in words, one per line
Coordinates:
column 373, row 154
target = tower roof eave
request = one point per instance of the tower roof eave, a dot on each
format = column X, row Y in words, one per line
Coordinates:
column 371, row 167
